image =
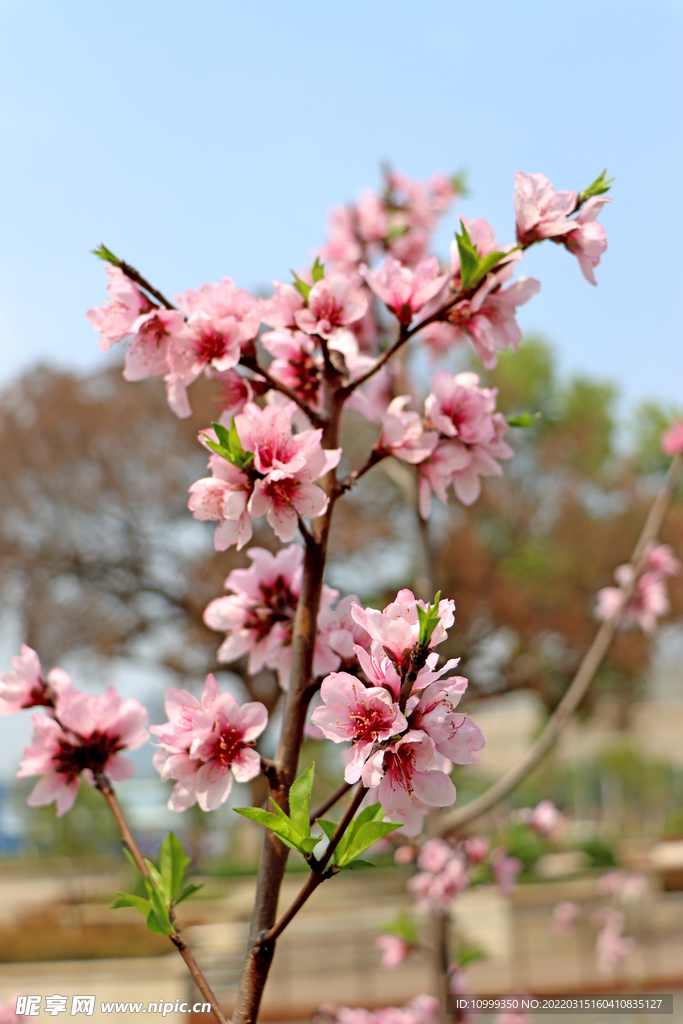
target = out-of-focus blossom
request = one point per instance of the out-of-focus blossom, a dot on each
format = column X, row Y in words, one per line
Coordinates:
column 471, row 438
column 126, row 303
column 405, row 291
column 278, row 311
column 626, row 886
column 546, row 819
column 505, row 871
column 476, row 849
column 434, row 855
column 221, row 737
column 403, row 434
column 404, row 854
column 648, row 602
column 86, row 736
column 541, row 212
column 565, row 915
column 659, row 560
column 611, row 946
column 672, row 439
column 437, row 890
column 343, row 632
column 234, row 392
column 24, row 686
column 394, row 950
column 258, row 616
column 588, row 241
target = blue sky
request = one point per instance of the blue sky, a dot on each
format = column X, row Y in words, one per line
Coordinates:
column 208, row 139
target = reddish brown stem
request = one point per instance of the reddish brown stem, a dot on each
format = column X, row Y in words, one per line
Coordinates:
column 318, row 873
column 103, row 783
column 137, row 277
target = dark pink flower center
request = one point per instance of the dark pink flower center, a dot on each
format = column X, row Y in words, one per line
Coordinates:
column 208, row 343
column 368, row 722
column 93, row 753
column 279, row 605
column 399, row 765
column 228, row 745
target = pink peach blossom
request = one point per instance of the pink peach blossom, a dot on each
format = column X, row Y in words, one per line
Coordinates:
column 406, row 783
column 332, row 303
column 25, row 687
column 86, row 735
column 223, row 734
column 182, row 707
column 152, row 349
column 541, row 212
column 588, row 242
column 363, row 715
column 258, row 616
column 403, row 290
column 394, row 950
column 126, row 303
column 672, row 439
column 546, row 819
column 455, row 736
column 403, row 434
column 278, row 311
column 223, row 498
column 397, row 627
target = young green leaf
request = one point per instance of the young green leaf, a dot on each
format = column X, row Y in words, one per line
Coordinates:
column 172, row 862
column 107, row 255
column 128, row 899
column 403, row 926
column 156, row 880
column 460, row 184
column 596, row 188
column 366, row 836
column 229, row 446
column 301, row 286
column 358, row 863
column 524, row 419
column 469, row 257
column 159, row 907
column 188, row 891
column 299, row 801
column 328, row 827
column 281, row 825
column 156, row 926
column 317, row 271
column 428, row 618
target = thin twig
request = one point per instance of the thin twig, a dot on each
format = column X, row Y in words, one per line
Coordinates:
column 332, row 799
column 137, row 277
column 199, row 979
column 591, row 662
column 373, row 458
column 252, row 363
column 103, row 783
column 318, row 873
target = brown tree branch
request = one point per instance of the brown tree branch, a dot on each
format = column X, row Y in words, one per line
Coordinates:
column 318, row 873
column 103, row 783
column 452, row 819
column 275, row 853
column 138, row 279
